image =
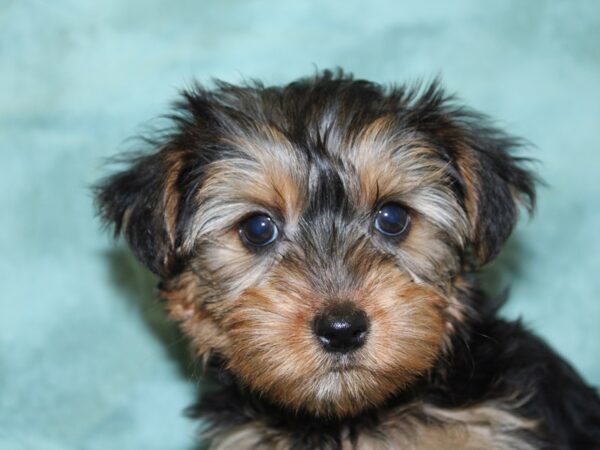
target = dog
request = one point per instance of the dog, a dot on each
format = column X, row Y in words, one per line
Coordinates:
column 319, row 244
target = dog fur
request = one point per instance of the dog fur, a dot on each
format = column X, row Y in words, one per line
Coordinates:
column 319, row 156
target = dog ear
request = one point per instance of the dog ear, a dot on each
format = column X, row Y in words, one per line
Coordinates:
column 142, row 204
column 495, row 183
column 491, row 181
column 152, row 201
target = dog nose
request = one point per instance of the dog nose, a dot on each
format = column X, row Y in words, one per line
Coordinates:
column 341, row 328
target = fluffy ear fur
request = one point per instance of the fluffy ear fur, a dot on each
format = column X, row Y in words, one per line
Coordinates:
column 152, row 201
column 142, row 204
column 502, row 185
column 492, row 181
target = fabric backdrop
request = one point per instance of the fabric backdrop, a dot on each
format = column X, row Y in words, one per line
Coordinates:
column 87, row 360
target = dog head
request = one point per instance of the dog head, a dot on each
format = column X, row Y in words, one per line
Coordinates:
column 314, row 235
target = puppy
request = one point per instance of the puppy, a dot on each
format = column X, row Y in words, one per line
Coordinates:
column 319, row 244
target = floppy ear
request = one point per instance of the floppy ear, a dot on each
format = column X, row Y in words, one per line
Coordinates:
column 496, row 183
column 152, row 202
column 489, row 178
column 142, row 203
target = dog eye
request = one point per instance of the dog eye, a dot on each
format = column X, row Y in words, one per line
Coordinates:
column 392, row 220
column 258, row 230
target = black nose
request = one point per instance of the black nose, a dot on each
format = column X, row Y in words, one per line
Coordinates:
column 341, row 328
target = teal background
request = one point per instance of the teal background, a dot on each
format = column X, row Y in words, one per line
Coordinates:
column 87, row 360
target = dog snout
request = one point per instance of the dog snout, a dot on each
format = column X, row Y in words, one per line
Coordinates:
column 341, row 328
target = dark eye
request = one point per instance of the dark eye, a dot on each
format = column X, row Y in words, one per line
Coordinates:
column 392, row 220
column 258, row 230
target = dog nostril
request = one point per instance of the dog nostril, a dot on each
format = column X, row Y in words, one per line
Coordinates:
column 341, row 328
column 358, row 334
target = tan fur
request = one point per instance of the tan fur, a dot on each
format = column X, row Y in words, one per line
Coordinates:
column 480, row 427
column 403, row 167
column 269, row 342
column 171, row 196
column 252, row 436
column 468, row 164
column 488, row 426
column 182, row 297
column 269, row 180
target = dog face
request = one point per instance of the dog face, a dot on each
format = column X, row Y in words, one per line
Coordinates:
column 314, row 235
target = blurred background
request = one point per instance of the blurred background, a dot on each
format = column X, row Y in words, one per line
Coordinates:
column 87, row 359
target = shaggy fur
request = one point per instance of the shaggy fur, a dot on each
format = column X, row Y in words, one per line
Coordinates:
column 320, row 156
